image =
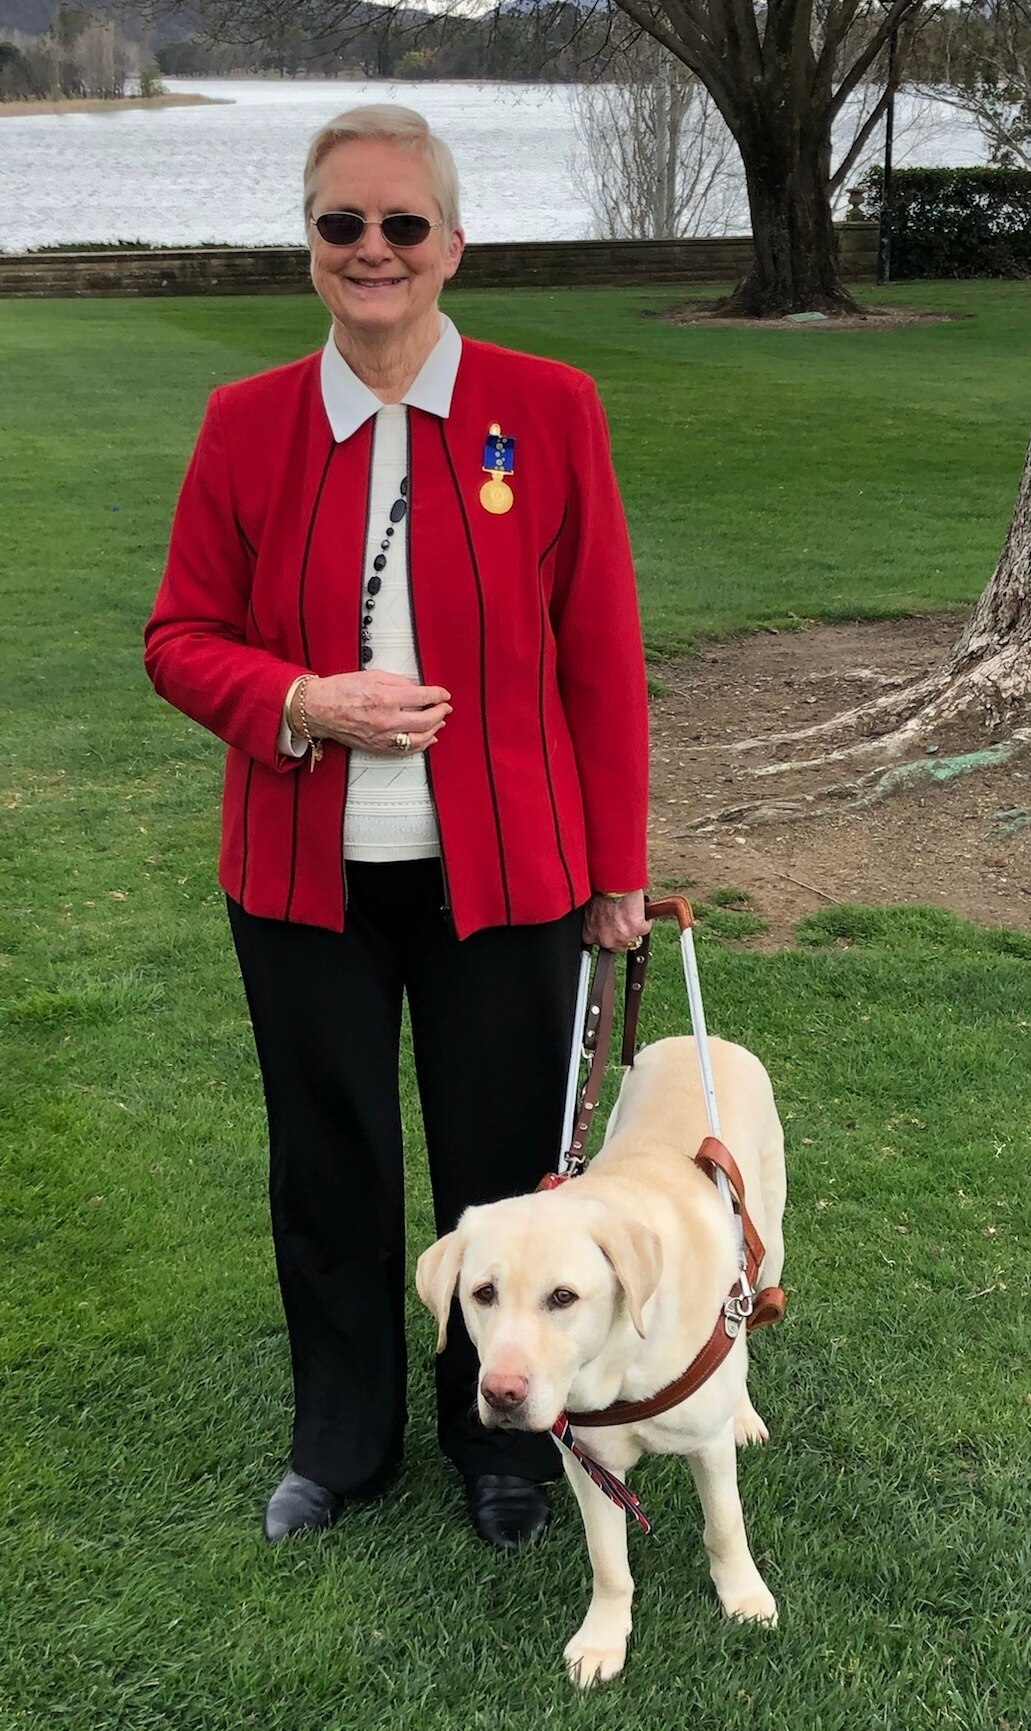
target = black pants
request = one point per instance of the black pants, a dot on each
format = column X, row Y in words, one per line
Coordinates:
column 491, row 1025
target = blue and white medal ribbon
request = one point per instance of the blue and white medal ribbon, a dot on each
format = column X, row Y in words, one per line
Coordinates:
column 498, row 463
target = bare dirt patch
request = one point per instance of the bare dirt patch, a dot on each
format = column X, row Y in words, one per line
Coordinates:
column 871, row 319
column 958, row 844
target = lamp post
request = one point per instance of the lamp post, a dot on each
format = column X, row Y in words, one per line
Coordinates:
column 884, row 235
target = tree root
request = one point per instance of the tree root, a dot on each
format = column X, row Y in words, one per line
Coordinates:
column 892, row 709
column 893, row 723
column 751, row 299
column 868, row 789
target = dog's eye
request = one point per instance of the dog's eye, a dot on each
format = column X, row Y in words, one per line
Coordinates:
column 562, row 1298
column 485, row 1294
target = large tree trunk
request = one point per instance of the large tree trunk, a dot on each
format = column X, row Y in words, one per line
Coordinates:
column 787, row 172
column 994, row 652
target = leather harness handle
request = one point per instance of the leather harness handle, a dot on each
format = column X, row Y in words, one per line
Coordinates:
column 667, row 908
column 671, row 908
column 597, row 1036
column 636, row 973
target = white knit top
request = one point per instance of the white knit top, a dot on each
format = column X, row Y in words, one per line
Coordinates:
column 389, row 812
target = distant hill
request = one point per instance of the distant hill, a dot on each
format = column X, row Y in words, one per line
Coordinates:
column 32, row 16
column 35, row 16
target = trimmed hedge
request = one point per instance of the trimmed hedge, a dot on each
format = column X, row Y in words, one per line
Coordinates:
column 956, row 221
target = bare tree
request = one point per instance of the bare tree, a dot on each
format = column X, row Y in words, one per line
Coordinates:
column 859, row 146
column 780, row 75
column 988, row 55
column 103, row 59
column 80, row 55
column 654, row 159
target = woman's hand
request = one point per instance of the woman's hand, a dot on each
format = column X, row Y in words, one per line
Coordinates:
column 369, row 710
column 616, row 925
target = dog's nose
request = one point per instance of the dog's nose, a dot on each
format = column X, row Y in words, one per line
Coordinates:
column 504, row 1393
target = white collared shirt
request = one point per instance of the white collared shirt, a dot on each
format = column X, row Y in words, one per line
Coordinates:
column 349, row 403
column 389, row 812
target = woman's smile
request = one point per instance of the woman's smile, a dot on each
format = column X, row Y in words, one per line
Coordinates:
column 375, row 282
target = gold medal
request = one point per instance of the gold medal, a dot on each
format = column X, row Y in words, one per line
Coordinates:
column 498, row 463
column 496, row 497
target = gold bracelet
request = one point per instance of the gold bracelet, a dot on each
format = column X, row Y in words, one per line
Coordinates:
column 613, row 895
column 314, row 745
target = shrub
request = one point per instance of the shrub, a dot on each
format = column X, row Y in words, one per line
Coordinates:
column 956, row 221
column 150, row 81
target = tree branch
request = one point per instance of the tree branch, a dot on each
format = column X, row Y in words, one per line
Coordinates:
column 840, row 19
column 743, row 32
column 692, row 48
column 894, row 16
column 845, row 166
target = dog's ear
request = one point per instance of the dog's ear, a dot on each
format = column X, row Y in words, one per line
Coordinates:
column 436, row 1276
column 636, row 1255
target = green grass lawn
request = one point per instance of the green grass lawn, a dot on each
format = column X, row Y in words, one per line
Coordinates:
column 145, row 1405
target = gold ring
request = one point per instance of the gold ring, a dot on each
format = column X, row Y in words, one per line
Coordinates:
column 636, row 944
column 402, row 742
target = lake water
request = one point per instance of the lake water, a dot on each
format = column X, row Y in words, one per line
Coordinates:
column 232, row 173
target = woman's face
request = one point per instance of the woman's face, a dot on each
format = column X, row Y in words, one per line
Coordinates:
column 371, row 287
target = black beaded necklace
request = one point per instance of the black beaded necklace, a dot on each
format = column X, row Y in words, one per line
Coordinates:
column 375, row 581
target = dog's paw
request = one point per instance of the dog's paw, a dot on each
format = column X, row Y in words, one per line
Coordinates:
column 755, row 1605
column 748, row 1426
column 594, row 1655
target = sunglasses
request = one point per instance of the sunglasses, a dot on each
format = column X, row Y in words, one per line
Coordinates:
column 346, row 227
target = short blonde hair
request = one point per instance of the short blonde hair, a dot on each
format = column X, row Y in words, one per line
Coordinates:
column 401, row 126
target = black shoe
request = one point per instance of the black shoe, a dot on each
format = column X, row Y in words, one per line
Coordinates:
column 299, row 1505
column 506, row 1511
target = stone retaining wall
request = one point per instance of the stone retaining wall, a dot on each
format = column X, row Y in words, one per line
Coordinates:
column 525, row 264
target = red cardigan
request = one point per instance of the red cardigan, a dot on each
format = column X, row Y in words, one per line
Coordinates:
column 529, row 619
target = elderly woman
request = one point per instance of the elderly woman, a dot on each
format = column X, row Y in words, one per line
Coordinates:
column 399, row 588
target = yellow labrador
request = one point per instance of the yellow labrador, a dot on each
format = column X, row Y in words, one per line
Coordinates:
column 605, row 1289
